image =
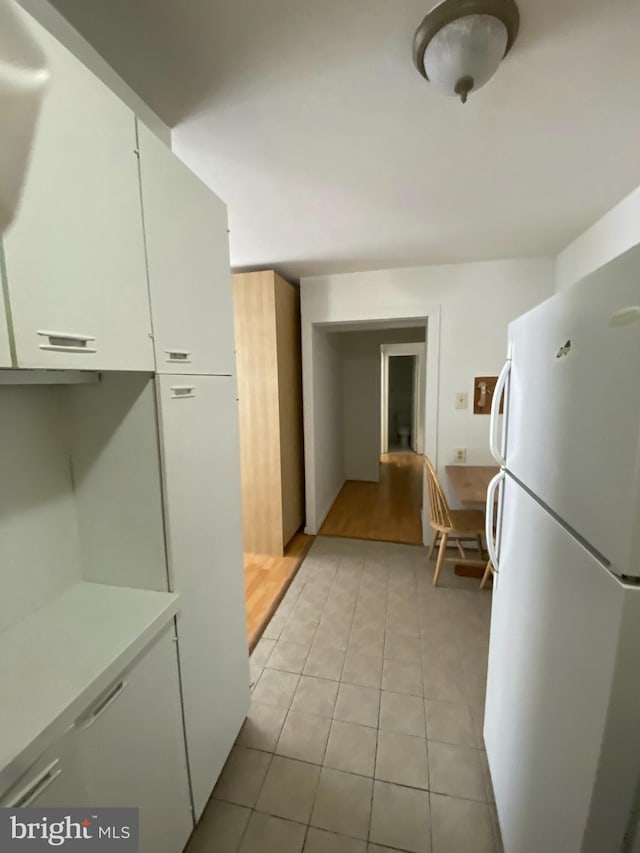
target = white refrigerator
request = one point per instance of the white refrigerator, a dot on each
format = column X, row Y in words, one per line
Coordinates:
column 562, row 717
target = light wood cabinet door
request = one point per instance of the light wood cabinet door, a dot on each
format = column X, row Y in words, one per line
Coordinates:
column 131, row 749
column 188, row 259
column 75, row 261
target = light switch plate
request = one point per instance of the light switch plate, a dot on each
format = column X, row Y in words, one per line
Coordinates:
column 462, row 400
column 461, row 454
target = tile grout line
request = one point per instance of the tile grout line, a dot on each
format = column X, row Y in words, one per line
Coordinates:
column 340, row 681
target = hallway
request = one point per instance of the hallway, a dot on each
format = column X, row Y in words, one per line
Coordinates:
column 387, row 511
column 365, row 729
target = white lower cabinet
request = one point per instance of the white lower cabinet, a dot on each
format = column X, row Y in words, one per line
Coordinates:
column 201, row 471
column 131, row 750
column 55, row 780
column 126, row 750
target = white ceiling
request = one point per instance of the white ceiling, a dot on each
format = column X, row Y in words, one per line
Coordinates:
column 332, row 153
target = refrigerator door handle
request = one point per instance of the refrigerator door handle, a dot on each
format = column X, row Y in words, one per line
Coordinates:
column 488, row 530
column 494, row 426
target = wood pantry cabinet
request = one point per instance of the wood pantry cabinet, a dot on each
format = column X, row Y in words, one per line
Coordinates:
column 269, row 365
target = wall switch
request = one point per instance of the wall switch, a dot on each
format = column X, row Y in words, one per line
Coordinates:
column 461, row 454
column 462, row 400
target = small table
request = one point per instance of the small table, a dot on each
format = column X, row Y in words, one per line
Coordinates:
column 470, row 483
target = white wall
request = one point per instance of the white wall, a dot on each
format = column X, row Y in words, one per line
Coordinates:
column 616, row 232
column 38, row 522
column 59, row 27
column 469, row 307
column 361, row 373
column 326, row 390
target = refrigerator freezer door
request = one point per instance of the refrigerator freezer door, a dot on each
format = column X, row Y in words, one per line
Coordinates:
column 561, row 721
column 201, row 470
column 573, row 428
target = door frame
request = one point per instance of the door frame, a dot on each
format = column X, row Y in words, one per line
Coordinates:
column 418, row 350
column 359, row 314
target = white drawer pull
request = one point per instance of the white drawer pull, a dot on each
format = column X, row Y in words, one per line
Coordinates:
column 102, row 705
column 178, row 355
column 182, row 391
column 66, row 342
column 26, row 795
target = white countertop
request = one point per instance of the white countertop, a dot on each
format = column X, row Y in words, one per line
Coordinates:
column 56, row 662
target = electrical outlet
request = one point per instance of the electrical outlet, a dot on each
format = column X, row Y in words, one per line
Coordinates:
column 462, row 400
column 461, row 454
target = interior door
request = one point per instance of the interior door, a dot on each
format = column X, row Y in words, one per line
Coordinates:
column 573, row 431
column 189, row 270
column 201, row 468
column 555, row 630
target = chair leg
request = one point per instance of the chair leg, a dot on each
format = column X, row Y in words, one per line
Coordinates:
column 480, row 545
column 461, row 549
column 440, row 560
column 434, row 542
column 487, row 574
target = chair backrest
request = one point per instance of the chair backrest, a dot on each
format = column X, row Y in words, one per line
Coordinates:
column 438, row 506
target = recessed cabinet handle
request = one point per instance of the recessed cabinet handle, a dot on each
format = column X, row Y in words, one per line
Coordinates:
column 26, row 795
column 102, row 706
column 178, row 355
column 182, row 391
column 67, row 341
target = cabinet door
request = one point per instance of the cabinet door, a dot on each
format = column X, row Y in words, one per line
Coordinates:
column 199, row 438
column 188, row 260
column 53, row 781
column 75, row 254
column 131, row 749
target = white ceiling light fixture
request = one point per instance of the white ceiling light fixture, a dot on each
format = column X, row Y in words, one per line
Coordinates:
column 460, row 44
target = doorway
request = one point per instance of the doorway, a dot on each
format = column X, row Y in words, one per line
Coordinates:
column 402, row 398
column 375, row 495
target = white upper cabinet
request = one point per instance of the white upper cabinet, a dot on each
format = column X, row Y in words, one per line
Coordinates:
column 75, row 254
column 188, row 261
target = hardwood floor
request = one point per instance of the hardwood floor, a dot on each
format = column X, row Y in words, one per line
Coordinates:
column 388, row 510
column 266, row 580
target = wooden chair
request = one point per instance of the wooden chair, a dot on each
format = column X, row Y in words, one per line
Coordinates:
column 457, row 524
column 488, row 572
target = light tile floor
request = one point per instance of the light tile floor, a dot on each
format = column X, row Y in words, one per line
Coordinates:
column 365, row 728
